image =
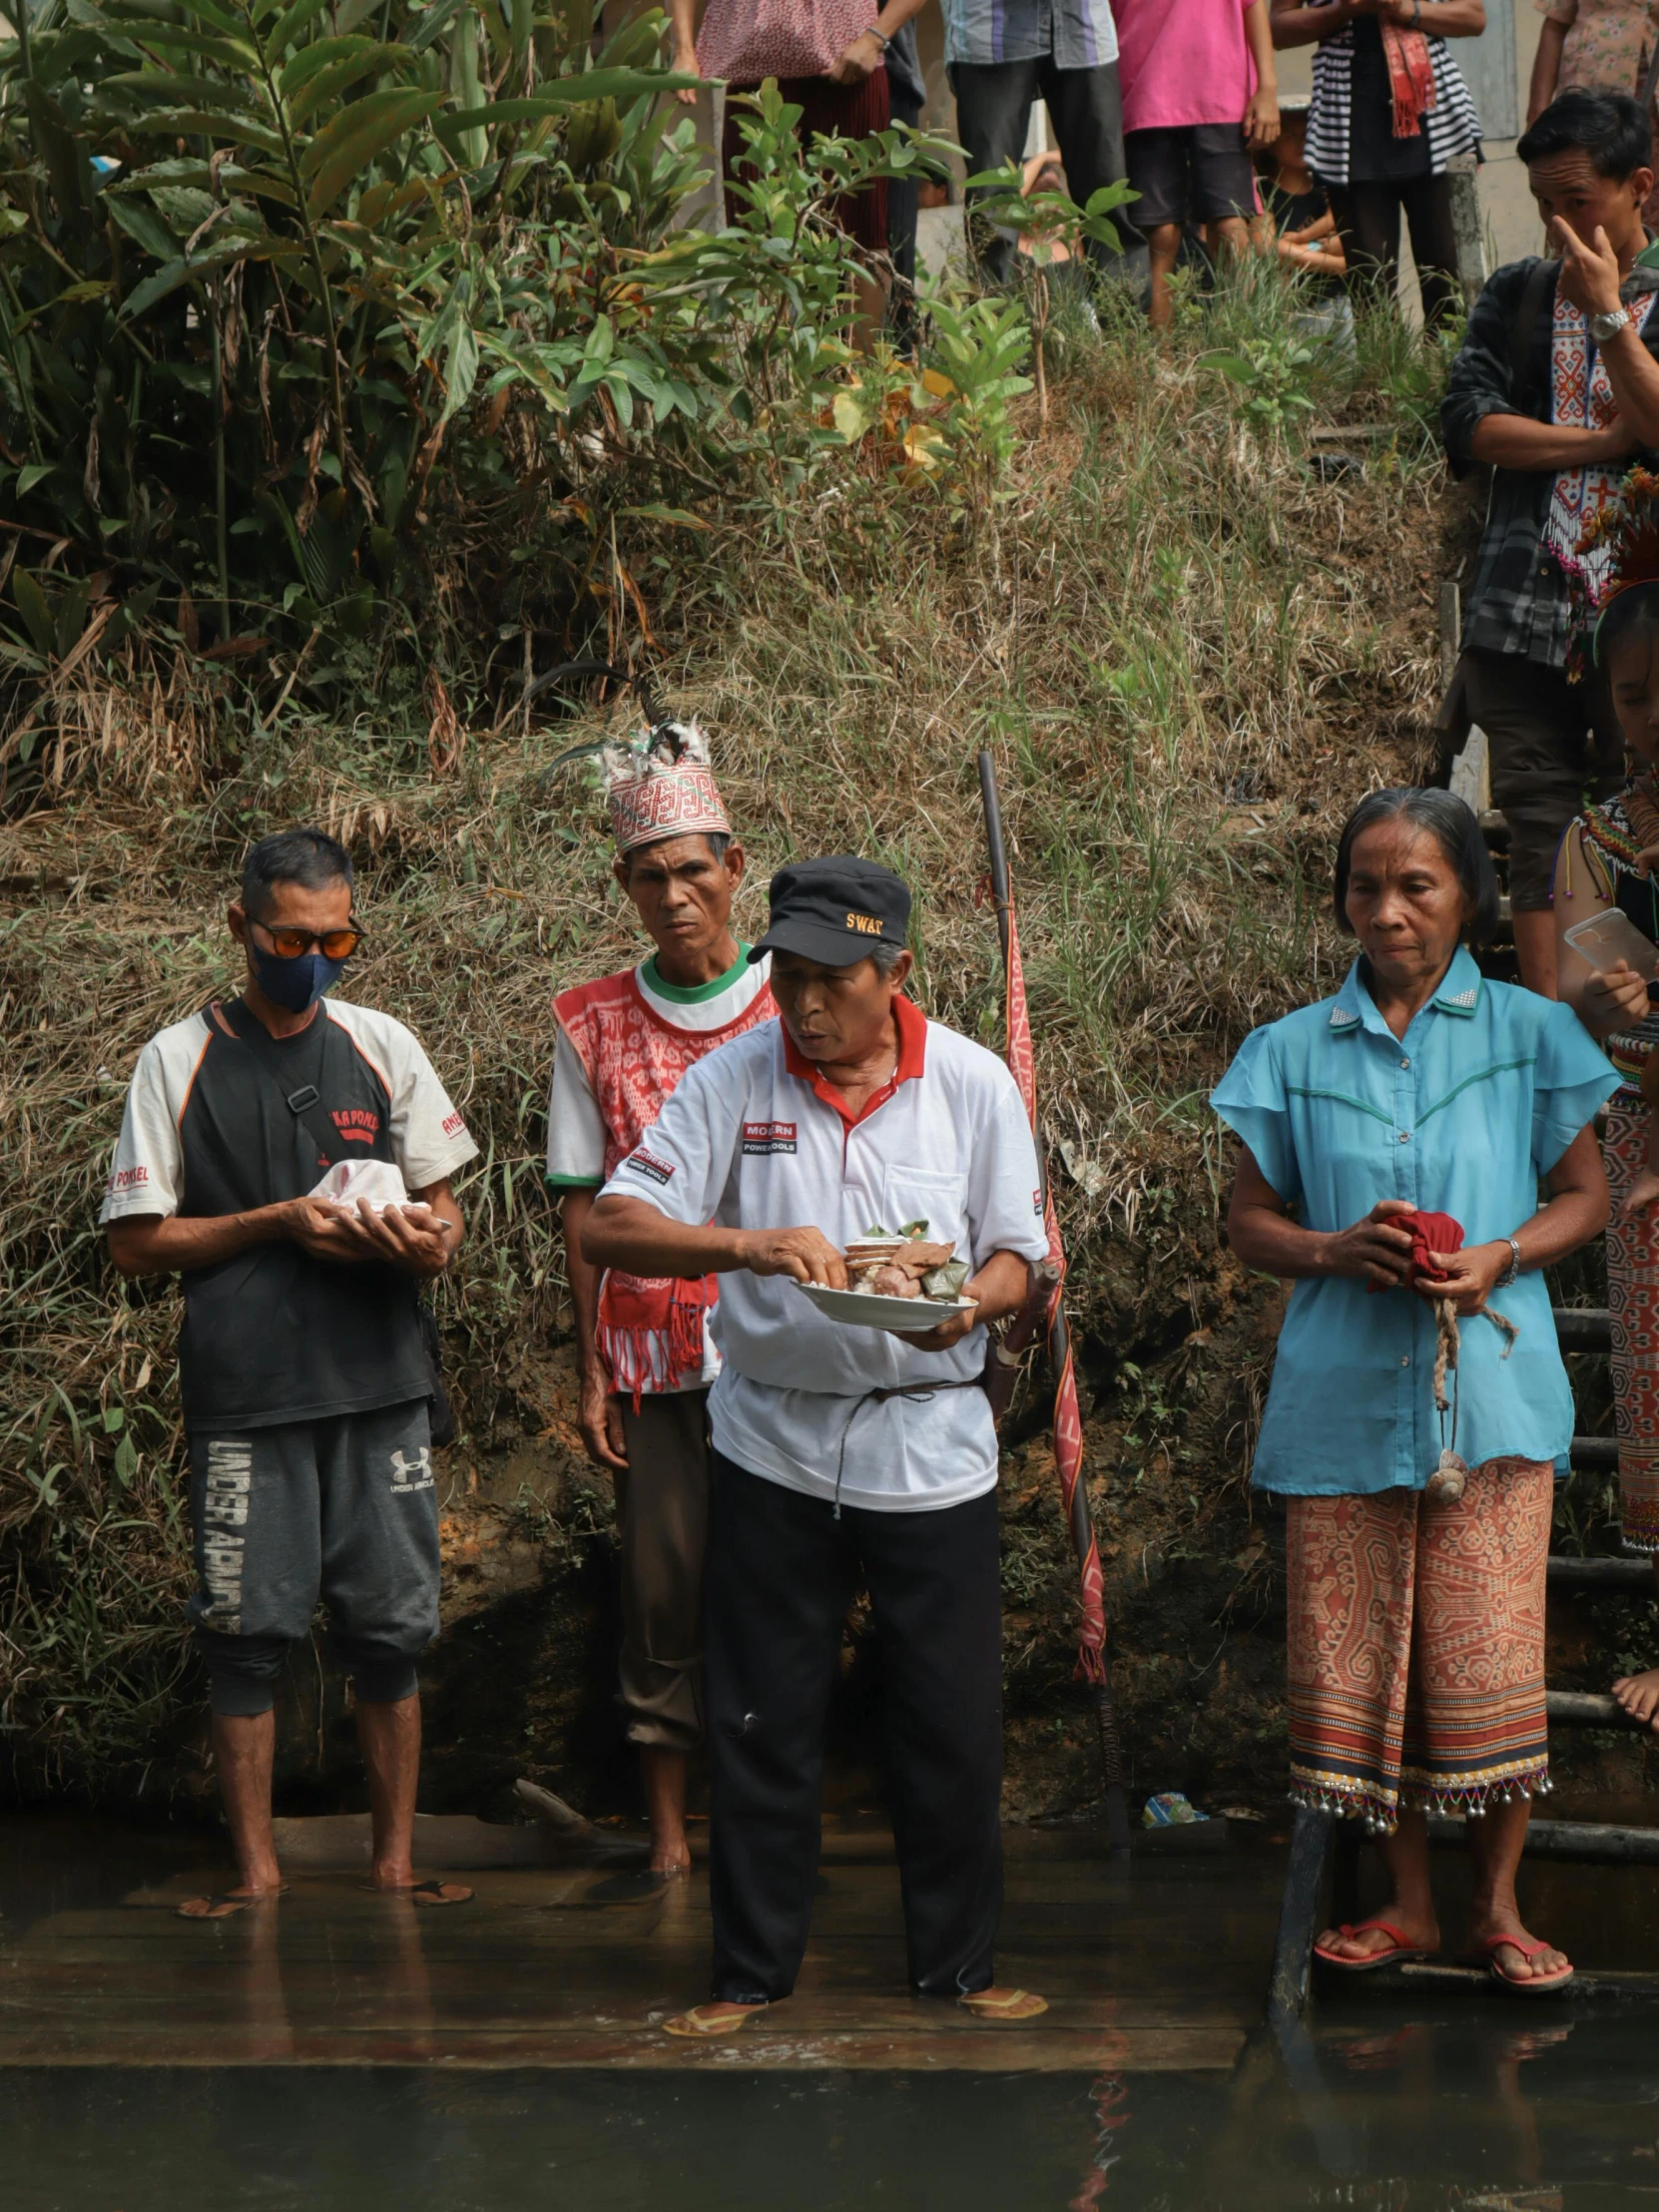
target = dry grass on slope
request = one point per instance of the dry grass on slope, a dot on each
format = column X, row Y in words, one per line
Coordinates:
column 1189, row 656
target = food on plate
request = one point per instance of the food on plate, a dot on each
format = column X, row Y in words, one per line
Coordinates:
column 885, row 1263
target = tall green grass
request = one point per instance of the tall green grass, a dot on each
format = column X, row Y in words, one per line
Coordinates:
column 1189, row 654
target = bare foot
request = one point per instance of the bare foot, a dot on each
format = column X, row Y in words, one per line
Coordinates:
column 1513, row 1962
column 671, row 1861
column 419, row 1889
column 1639, row 1695
column 997, row 2003
column 1421, row 1930
column 225, row 1903
column 719, row 2019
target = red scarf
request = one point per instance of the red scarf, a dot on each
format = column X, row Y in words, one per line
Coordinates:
column 1410, row 78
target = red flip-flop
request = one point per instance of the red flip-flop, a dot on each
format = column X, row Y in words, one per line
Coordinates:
column 1403, row 1947
column 1536, row 1986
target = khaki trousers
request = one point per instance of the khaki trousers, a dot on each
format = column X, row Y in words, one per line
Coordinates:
column 663, row 1512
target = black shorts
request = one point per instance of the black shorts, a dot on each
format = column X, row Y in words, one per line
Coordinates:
column 1552, row 744
column 1196, row 173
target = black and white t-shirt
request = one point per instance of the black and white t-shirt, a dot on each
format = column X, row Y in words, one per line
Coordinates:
column 273, row 1335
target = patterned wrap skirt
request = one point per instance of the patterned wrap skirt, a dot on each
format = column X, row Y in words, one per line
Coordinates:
column 1633, row 1303
column 1417, row 1646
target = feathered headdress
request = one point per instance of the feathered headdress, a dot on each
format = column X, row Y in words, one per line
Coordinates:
column 1626, row 534
column 658, row 783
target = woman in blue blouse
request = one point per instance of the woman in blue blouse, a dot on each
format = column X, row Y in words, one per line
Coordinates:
column 1416, row 1644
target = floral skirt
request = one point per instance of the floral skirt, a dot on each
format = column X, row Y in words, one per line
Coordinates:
column 1633, row 1303
column 1417, row 1646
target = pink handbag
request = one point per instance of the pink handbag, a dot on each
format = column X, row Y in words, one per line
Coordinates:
column 743, row 41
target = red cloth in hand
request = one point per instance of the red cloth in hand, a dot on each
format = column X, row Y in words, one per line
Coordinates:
column 1429, row 1233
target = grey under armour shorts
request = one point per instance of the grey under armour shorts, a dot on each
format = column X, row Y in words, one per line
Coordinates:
column 345, row 1509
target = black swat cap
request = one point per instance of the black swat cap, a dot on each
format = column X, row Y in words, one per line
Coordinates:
column 836, row 911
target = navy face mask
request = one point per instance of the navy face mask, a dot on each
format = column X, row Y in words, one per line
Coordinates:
column 295, row 984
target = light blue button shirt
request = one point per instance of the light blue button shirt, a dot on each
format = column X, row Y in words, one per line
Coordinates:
column 1079, row 34
column 1462, row 1116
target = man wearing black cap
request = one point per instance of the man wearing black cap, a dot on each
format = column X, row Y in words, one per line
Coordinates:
column 843, row 1453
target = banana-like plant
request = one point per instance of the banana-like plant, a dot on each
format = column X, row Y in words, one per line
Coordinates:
column 302, row 301
column 256, row 256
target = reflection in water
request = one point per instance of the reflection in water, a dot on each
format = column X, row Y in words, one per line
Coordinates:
column 1109, row 2099
column 1468, row 2111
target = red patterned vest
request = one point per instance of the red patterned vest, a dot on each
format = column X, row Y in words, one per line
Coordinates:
column 650, row 1327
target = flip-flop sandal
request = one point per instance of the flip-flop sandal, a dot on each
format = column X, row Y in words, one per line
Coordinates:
column 1536, row 1986
column 421, row 1893
column 225, row 1905
column 702, row 2021
column 1401, row 1948
column 1011, row 2004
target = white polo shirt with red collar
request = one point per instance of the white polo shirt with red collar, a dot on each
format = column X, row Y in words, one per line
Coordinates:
column 755, row 1138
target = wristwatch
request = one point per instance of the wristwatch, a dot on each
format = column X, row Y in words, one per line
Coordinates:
column 1605, row 327
column 1513, row 1269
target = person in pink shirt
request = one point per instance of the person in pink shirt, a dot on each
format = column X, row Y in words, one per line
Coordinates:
column 1199, row 94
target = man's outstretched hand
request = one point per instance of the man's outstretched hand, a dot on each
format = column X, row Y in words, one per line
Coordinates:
column 805, row 1254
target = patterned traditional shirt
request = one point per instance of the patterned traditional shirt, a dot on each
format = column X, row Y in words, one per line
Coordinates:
column 1518, row 600
column 1078, row 34
column 1462, row 1115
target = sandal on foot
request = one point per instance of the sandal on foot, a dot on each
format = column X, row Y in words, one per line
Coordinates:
column 421, row 1893
column 1401, row 1948
column 225, row 1905
column 1003, row 2004
column 1534, row 1986
column 705, row 2020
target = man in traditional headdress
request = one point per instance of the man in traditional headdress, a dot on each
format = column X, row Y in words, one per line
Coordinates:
column 646, row 1356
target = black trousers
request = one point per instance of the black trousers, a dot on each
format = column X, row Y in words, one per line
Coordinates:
column 781, row 1572
column 1367, row 222
column 993, row 113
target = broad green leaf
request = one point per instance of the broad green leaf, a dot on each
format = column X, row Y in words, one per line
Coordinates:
column 240, row 130
column 205, row 11
column 322, row 54
column 141, row 222
column 126, row 1462
column 682, row 517
column 366, row 128
column 329, row 84
column 286, row 29
column 114, row 1420
column 27, row 479
column 30, row 605
column 566, row 92
column 180, row 272
column 173, row 86
column 232, row 53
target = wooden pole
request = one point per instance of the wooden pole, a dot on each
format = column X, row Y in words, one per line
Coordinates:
column 1059, row 1352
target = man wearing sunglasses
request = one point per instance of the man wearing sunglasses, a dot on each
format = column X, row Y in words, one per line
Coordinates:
column 305, row 1381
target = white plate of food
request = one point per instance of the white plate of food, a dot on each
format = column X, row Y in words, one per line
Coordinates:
column 869, row 1310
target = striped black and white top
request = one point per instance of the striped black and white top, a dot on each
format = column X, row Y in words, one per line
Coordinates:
column 1450, row 124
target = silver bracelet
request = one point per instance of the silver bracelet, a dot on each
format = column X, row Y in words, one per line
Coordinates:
column 880, row 39
column 1513, row 1269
